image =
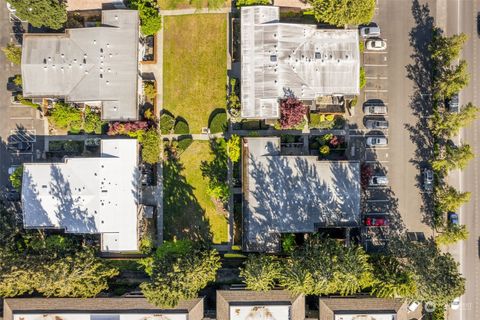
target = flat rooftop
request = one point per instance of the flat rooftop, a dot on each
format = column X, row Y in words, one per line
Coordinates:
column 87, row 195
column 281, row 59
column 294, row 194
column 98, row 64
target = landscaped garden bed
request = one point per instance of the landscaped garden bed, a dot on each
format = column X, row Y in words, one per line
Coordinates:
column 328, row 147
column 190, row 208
column 194, row 67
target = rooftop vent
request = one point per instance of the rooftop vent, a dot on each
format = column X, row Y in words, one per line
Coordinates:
column 318, row 55
column 273, row 58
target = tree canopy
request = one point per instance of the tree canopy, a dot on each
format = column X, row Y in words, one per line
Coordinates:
column 451, row 80
column 448, row 124
column 324, row 266
column 343, row 12
column 260, row 272
column 150, row 146
column 52, row 266
column 180, row 275
column 233, row 148
column 292, row 113
column 452, row 234
column 448, row 199
column 42, row 13
column 13, row 53
column 393, row 280
column 454, row 157
column 444, row 50
column 150, row 20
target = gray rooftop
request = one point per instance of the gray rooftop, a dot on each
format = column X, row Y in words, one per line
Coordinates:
column 366, row 308
column 280, row 59
column 98, row 64
column 288, row 194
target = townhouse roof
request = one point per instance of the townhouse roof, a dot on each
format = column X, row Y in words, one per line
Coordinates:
column 98, row 64
column 284, row 59
column 245, row 305
column 87, row 195
column 362, row 308
column 98, row 309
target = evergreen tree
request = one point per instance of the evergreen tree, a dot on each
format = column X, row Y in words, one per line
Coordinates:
column 260, row 272
column 42, row 13
column 343, row 12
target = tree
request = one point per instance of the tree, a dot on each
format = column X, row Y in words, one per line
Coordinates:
column 445, row 50
column 48, row 13
column 13, row 53
column 260, row 272
column 292, row 113
column 216, row 171
column 150, row 20
column 64, row 116
column 16, row 178
column 451, row 80
column 452, row 234
column 448, row 199
column 151, row 146
column 393, row 280
column 180, row 276
column 82, row 275
column 448, row 124
column 323, row 266
column 233, row 148
column 343, row 12
column 454, row 158
column 435, row 273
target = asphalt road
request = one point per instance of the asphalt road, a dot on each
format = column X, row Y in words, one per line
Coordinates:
column 462, row 17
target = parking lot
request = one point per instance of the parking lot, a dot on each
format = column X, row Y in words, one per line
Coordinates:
column 22, row 128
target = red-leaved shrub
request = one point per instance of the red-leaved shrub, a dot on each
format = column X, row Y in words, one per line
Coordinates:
column 292, row 112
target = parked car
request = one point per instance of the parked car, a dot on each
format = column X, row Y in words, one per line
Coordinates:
column 455, row 305
column 427, row 180
column 370, row 32
column 453, row 104
column 376, row 124
column 377, row 181
column 453, row 218
column 376, row 141
column 376, row 45
column 376, row 221
column 374, row 109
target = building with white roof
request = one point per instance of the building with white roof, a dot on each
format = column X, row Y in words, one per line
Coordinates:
column 283, row 59
column 364, row 308
column 97, row 65
column 87, row 195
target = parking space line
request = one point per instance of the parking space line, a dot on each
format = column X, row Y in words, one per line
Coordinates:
column 376, row 161
column 21, row 118
column 375, row 65
column 377, row 200
column 375, row 52
column 376, row 78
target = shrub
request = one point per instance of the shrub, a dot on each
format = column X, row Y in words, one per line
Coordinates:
column 65, row 116
column 149, row 90
column 260, row 272
column 361, row 46
column 233, row 148
column 292, row 112
column 288, row 243
column 319, row 121
column 150, row 20
column 134, row 129
column 166, row 123
column 218, row 123
column 151, row 146
column 181, row 127
column 220, row 191
column 26, row 102
column 324, row 150
column 184, row 143
column 354, row 102
column 330, row 117
column 17, row 80
column 243, row 3
column 16, row 178
column 93, row 123
column 363, row 80
column 13, row 53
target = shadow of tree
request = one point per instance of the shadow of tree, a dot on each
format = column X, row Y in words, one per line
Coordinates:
column 184, row 218
column 296, row 194
column 216, row 170
column 421, row 104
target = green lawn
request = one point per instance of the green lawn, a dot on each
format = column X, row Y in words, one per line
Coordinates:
column 195, row 66
column 189, row 212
